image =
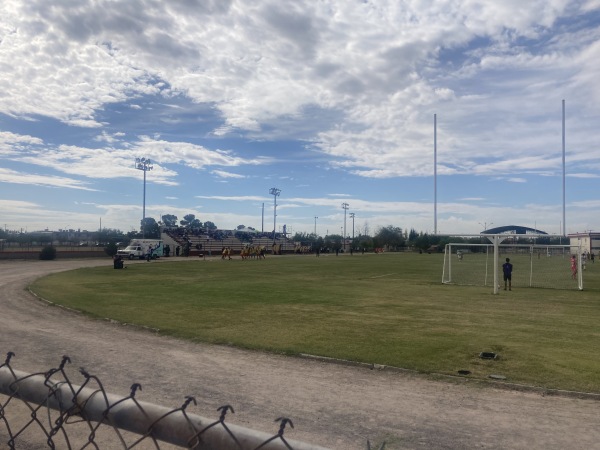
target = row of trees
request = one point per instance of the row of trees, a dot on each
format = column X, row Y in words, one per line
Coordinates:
column 188, row 221
column 64, row 237
column 394, row 238
column 150, row 228
column 390, row 237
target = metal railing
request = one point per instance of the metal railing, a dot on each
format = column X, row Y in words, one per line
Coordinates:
column 48, row 406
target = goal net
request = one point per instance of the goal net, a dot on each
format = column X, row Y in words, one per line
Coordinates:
column 538, row 266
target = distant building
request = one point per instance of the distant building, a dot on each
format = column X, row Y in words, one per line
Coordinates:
column 513, row 229
column 588, row 241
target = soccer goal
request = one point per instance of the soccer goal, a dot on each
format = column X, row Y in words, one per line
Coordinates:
column 537, row 266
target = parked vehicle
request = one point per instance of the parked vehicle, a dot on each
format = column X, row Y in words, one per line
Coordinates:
column 140, row 248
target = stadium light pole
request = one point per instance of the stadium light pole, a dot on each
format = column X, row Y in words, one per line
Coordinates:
column 316, row 217
column 345, row 207
column 435, row 230
column 352, row 217
column 275, row 193
column 144, row 164
column 485, row 225
column 564, row 217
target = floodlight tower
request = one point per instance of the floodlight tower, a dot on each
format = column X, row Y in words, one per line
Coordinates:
column 435, row 230
column 345, row 207
column 564, row 218
column 144, row 164
column 316, row 217
column 275, row 193
column 485, row 225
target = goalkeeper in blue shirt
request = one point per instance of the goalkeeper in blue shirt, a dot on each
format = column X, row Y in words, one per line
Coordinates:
column 507, row 269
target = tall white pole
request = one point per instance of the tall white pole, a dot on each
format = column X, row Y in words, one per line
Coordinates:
column 274, row 192
column 345, row 207
column 274, row 216
column 564, row 221
column 435, row 174
column 144, row 209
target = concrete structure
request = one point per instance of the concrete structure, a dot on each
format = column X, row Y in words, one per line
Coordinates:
column 589, row 241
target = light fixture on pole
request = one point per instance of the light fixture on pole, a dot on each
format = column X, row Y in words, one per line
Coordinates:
column 485, row 225
column 345, row 207
column 316, row 217
column 144, row 164
column 275, row 193
column 352, row 217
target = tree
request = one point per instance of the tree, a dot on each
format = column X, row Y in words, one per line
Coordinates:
column 413, row 235
column 107, row 235
column 111, row 249
column 190, row 221
column 389, row 236
column 210, row 225
column 169, row 220
column 48, row 253
column 423, row 242
column 366, row 230
column 150, row 228
column 305, row 237
column 362, row 241
column 333, row 241
column 240, row 227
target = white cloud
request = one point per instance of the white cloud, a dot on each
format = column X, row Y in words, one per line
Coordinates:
column 584, row 175
column 11, row 176
column 356, row 82
column 241, row 198
column 225, row 174
column 103, row 163
column 259, row 63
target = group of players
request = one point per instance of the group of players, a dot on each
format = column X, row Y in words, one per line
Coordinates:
column 247, row 252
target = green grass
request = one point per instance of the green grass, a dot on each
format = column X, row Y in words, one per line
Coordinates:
column 388, row 309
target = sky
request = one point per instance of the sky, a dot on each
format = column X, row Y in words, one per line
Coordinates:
column 330, row 101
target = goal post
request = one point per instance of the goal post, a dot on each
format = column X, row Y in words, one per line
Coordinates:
column 536, row 266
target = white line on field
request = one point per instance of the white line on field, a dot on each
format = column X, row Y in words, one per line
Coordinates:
column 386, row 275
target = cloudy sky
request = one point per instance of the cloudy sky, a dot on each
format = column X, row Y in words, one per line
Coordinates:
column 330, row 101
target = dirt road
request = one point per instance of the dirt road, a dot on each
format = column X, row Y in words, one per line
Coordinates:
column 331, row 405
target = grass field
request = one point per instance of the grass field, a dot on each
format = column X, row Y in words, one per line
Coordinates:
column 388, row 309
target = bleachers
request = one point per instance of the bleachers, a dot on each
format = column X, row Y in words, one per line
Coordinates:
column 211, row 246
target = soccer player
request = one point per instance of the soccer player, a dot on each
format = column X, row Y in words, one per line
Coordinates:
column 507, row 269
column 573, row 267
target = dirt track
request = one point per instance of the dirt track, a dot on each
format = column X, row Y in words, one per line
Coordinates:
column 331, row 405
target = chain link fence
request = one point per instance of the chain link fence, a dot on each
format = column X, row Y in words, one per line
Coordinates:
column 47, row 410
